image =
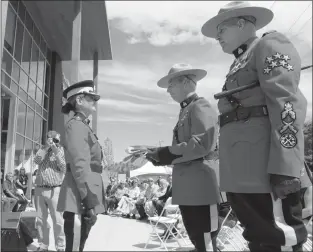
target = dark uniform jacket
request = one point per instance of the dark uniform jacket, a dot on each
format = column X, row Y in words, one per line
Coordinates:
column 195, row 135
column 82, row 187
column 252, row 149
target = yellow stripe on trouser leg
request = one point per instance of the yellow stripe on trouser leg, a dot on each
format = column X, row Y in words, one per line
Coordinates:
column 214, row 217
column 77, row 231
column 289, row 232
column 213, row 227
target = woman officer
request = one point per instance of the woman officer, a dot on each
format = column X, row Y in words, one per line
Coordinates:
column 82, row 191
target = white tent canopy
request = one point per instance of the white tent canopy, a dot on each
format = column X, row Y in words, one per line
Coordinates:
column 150, row 169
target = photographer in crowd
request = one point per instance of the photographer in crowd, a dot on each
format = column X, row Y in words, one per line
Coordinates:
column 50, row 174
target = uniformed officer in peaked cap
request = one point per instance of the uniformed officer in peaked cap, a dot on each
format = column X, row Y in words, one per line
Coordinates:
column 261, row 128
column 82, row 193
column 194, row 185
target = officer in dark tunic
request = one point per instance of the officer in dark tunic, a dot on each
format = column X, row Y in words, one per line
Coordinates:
column 82, row 192
column 194, row 186
column 261, row 128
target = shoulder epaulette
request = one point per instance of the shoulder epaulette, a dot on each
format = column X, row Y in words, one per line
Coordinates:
column 269, row 32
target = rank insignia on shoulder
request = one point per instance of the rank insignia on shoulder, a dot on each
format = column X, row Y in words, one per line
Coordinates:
column 277, row 60
column 288, row 131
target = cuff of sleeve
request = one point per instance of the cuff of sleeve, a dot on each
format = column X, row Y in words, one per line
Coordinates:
column 91, row 200
column 166, row 157
column 41, row 153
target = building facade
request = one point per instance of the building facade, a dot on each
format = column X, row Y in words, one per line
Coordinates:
column 36, row 37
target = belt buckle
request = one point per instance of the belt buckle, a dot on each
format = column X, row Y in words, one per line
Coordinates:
column 243, row 114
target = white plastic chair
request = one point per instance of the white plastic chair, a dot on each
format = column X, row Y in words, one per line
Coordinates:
column 169, row 222
column 230, row 239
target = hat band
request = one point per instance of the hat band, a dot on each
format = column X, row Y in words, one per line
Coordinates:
column 80, row 90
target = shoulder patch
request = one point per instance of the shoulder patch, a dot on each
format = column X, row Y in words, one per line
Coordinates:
column 269, row 32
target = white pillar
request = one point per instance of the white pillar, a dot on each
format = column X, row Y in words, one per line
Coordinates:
column 76, row 43
column 95, row 80
column 4, row 12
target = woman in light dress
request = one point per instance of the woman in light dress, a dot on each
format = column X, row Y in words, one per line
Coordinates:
column 127, row 203
column 149, row 206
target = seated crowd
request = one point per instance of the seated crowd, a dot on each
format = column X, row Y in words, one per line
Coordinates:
column 13, row 190
column 130, row 198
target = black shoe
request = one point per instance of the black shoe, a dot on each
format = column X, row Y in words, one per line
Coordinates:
column 127, row 216
column 143, row 217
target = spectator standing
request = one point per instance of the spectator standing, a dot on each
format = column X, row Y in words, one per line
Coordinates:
column 51, row 170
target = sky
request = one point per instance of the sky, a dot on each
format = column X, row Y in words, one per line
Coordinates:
column 147, row 38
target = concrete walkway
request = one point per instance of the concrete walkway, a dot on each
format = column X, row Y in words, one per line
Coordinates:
column 113, row 233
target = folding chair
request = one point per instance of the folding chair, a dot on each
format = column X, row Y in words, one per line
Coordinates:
column 168, row 222
column 308, row 245
column 230, row 239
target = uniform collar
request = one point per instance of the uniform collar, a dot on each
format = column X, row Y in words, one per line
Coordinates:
column 81, row 116
column 243, row 47
column 188, row 100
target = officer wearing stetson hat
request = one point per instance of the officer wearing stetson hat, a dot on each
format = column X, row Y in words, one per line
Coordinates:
column 261, row 128
column 194, row 186
column 82, row 192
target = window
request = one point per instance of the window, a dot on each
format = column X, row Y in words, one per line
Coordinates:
column 39, row 96
column 25, row 69
column 16, row 72
column 19, row 153
column 3, row 148
column 23, row 80
column 21, row 117
column 34, row 62
column 21, row 11
column 47, row 79
column 44, row 131
column 5, row 79
column 6, row 62
column 14, row 87
column 41, row 71
column 14, row 4
column 37, row 131
column 5, row 108
column 31, row 89
column 27, row 45
column 18, row 41
column 30, row 123
column 10, row 30
column 28, row 150
column 31, row 102
column 29, row 23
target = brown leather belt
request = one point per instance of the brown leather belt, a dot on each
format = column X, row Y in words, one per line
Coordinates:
column 48, row 187
column 242, row 114
column 211, row 156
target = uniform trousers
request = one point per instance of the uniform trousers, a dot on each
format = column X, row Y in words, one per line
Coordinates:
column 75, row 237
column 270, row 225
column 201, row 223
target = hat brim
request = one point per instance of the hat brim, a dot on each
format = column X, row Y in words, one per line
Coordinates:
column 198, row 73
column 96, row 97
column 263, row 17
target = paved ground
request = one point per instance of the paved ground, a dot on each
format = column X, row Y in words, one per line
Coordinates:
column 113, row 233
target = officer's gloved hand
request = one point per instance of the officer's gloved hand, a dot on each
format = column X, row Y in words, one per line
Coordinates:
column 155, row 163
column 153, row 155
column 91, row 217
column 284, row 185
